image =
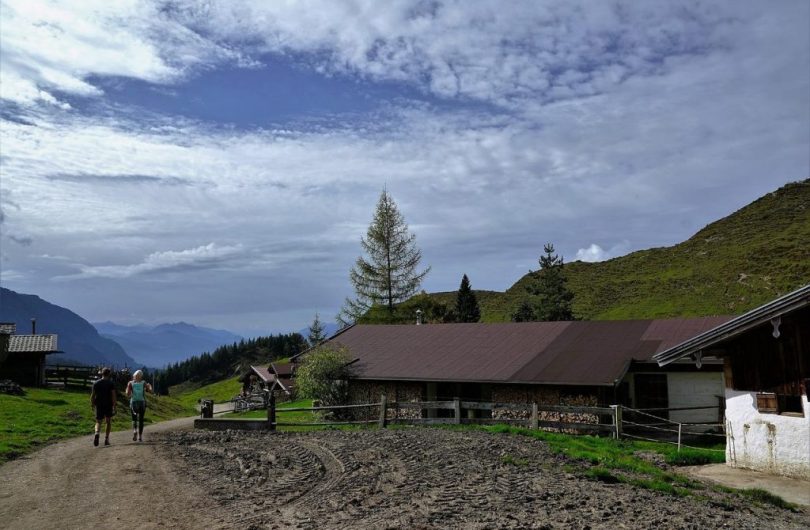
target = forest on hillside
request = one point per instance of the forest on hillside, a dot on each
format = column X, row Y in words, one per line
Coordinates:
column 230, row 360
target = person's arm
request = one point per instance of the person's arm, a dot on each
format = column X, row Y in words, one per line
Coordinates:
column 112, row 394
column 129, row 389
column 148, row 388
column 93, row 398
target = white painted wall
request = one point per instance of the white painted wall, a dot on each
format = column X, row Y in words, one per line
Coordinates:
column 695, row 389
column 772, row 443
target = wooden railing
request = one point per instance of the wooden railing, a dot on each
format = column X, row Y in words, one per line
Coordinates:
column 604, row 418
column 82, row 376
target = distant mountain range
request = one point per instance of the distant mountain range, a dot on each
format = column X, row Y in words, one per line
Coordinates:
column 77, row 338
column 157, row 346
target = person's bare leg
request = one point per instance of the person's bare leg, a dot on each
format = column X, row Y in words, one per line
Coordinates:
column 97, row 430
column 107, row 434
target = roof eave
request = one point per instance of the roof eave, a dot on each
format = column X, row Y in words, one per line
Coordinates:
column 756, row 317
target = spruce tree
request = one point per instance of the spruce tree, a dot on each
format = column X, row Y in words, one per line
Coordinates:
column 551, row 296
column 467, row 309
column 389, row 275
column 316, row 332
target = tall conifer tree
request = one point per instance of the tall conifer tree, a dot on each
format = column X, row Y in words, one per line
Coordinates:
column 467, row 309
column 550, row 289
column 389, row 274
column 316, row 332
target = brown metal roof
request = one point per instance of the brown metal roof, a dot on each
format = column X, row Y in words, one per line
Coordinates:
column 32, row 344
column 282, row 369
column 263, row 373
column 580, row 353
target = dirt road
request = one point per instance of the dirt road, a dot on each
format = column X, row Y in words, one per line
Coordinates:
column 414, row 478
column 72, row 484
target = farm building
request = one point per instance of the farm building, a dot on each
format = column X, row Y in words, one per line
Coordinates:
column 566, row 363
column 275, row 377
column 24, row 361
column 766, row 354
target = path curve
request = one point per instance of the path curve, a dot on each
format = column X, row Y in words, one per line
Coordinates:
column 72, row 484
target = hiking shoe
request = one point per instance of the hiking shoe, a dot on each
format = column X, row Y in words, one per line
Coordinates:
column 134, row 436
column 140, row 438
column 95, row 440
column 106, row 441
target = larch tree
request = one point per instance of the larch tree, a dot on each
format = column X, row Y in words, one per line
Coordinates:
column 467, row 309
column 388, row 275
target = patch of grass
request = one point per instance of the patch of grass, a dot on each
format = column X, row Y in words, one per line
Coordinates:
column 43, row 416
column 602, row 475
column 765, row 497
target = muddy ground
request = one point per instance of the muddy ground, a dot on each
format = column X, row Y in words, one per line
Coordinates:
column 431, row 478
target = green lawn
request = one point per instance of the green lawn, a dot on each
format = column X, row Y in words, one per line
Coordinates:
column 43, row 416
column 221, row 392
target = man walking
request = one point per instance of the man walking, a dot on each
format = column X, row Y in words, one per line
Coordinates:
column 103, row 399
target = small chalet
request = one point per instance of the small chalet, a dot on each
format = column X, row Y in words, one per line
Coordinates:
column 23, row 357
column 275, row 377
column 582, row 363
column 766, row 361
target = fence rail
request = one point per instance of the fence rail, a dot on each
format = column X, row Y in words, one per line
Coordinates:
column 82, row 376
column 570, row 419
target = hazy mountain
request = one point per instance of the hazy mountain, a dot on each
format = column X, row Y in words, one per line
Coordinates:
column 77, row 337
column 157, row 346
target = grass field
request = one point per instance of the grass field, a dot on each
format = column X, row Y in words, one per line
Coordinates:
column 43, row 416
column 189, row 394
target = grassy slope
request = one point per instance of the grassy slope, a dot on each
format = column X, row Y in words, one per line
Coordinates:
column 732, row 265
column 43, row 416
column 189, row 394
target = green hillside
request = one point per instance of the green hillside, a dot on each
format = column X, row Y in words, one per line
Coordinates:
column 732, row 265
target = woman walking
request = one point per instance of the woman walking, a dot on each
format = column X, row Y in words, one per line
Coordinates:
column 136, row 391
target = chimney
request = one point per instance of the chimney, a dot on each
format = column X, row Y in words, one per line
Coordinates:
column 418, row 317
column 33, row 326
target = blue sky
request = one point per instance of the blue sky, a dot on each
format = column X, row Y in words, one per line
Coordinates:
column 218, row 162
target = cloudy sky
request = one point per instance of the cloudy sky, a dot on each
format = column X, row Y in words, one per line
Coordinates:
column 218, row 162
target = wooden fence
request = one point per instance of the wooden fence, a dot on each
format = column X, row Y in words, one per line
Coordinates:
column 383, row 413
column 79, row 376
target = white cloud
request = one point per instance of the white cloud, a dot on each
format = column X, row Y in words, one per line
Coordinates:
column 202, row 257
column 594, row 252
column 50, row 47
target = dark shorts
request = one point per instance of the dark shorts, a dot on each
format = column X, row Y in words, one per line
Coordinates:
column 103, row 411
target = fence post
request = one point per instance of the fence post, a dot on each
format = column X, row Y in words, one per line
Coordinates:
column 617, row 421
column 679, row 437
column 271, row 412
column 383, row 411
column 457, row 409
column 535, row 423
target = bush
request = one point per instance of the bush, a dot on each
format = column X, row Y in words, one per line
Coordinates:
column 324, row 375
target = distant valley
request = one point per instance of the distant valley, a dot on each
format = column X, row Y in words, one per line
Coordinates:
column 157, row 346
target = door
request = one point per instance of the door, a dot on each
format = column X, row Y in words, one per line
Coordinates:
column 651, row 392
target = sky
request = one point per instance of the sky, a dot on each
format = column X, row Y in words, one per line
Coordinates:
column 218, row 162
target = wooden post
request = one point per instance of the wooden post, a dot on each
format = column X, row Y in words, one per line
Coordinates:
column 457, row 409
column 679, row 436
column 535, row 424
column 271, row 412
column 617, row 421
column 383, row 411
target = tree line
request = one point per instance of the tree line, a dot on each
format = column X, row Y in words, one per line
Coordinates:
column 229, row 360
